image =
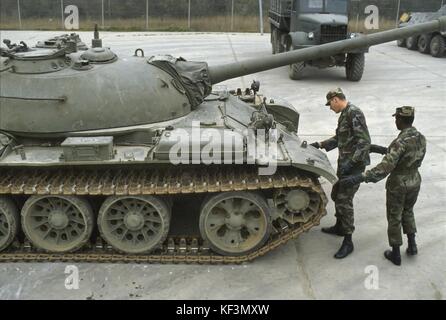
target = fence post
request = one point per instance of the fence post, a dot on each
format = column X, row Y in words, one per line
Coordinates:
column 62, row 14
column 261, row 16
column 398, row 13
column 232, row 16
column 103, row 17
column 147, row 14
column 20, row 16
column 188, row 16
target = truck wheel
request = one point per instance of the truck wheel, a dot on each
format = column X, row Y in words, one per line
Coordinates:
column 438, row 46
column 354, row 68
column 273, row 40
column 296, row 70
column 424, row 43
column 412, row 43
column 401, row 43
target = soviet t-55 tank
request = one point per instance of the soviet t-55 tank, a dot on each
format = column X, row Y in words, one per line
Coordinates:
column 99, row 154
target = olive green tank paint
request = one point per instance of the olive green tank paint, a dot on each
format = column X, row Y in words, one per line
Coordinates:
column 56, row 102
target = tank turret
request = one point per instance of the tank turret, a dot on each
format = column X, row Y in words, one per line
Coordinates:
column 100, row 154
column 94, row 90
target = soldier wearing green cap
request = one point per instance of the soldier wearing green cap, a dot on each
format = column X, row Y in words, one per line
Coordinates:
column 404, row 156
column 353, row 142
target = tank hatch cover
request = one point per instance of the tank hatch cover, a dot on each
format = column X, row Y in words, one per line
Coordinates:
column 99, row 55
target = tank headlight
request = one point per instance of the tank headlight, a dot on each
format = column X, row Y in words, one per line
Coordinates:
column 311, row 35
column 353, row 35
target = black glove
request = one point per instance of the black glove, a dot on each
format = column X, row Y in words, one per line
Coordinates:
column 378, row 149
column 352, row 180
column 345, row 168
column 317, row 145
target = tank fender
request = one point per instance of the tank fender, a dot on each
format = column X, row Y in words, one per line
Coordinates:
column 304, row 156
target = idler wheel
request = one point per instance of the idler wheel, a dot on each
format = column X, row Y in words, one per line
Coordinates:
column 235, row 223
column 134, row 224
column 9, row 222
column 57, row 223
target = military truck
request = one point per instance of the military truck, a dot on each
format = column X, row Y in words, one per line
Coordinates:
column 297, row 24
column 433, row 43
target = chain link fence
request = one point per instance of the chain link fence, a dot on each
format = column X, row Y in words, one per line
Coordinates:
column 137, row 15
column 178, row 15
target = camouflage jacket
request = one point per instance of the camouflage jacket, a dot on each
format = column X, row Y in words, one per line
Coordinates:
column 403, row 158
column 352, row 138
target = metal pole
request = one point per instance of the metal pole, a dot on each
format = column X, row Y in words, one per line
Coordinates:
column 232, row 16
column 188, row 16
column 398, row 13
column 20, row 16
column 147, row 14
column 103, row 19
column 62, row 12
column 261, row 16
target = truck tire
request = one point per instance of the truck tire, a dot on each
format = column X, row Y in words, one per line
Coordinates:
column 438, row 46
column 354, row 67
column 424, row 42
column 401, row 43
column 412, row 43
column 296, row 70
column 273, row 39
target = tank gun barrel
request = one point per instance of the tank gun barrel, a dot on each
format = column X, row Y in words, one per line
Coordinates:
column 233, row 70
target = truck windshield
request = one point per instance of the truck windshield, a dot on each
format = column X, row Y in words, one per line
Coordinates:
column 323, row 6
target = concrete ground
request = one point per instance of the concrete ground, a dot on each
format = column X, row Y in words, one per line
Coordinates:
column 303, row 268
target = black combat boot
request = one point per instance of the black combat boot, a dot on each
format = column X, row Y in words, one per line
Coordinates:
column 412, row 245
column 394, row 255
column 335, row 230
column 346, row 248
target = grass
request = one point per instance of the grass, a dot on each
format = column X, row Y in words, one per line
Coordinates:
column 201, row 24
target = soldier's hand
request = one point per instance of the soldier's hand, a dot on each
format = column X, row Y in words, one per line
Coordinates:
column 378, row 149
column 345, row 168
column 317, row 145
column 352, row 180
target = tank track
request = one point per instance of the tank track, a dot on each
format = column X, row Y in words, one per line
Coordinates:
column 175, row 250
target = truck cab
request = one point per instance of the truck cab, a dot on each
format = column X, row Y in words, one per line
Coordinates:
column 297, row 24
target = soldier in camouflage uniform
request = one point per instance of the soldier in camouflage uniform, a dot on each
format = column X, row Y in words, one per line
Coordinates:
column 353, row 142
column 402, row 160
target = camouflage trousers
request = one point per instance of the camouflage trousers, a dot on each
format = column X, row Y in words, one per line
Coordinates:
column 400, row 203
column 343, row 199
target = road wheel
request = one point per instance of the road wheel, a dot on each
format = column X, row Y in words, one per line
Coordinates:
column 235, row 223
column 438, row 46
column 424, row 43
column 412, row 43
column 354, row 68
column 57, row 223
column 9, row 222
column 296, row 71
column 134, row 224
